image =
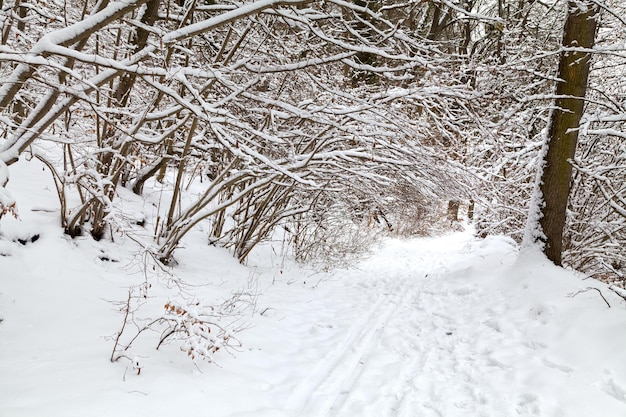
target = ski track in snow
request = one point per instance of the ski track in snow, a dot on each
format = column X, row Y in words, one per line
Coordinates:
column 416, row 349
column 334, row 377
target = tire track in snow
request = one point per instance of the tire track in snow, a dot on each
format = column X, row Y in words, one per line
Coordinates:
column 331, row 380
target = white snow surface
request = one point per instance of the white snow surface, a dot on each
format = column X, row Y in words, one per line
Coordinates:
column 447, row 326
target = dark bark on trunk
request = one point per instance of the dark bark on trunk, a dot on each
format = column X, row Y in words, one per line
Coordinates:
column 579, row 31
column 139, row 40
column 453, row 210
column 22, row 12
column 439, row 22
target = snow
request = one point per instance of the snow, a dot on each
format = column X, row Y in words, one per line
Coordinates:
column 447, row 326
column 7, row 201
column 224, row 18
column 534, row 236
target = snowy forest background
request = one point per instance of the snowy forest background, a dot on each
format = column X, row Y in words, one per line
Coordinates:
column 309, row 119
column 321, row 124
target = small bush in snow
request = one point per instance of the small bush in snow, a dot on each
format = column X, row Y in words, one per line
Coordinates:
column 201, row 331
column 200, row 336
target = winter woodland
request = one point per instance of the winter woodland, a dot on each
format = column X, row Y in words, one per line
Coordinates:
column 317, row 126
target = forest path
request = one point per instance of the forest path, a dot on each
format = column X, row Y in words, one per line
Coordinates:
column 428, row 341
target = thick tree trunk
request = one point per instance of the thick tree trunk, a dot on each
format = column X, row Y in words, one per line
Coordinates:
column 579, row 32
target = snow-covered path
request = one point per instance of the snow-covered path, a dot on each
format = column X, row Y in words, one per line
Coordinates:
column 416, row 346
column 431, row 339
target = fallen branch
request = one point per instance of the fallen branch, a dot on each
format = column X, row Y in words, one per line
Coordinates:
column 593, row 288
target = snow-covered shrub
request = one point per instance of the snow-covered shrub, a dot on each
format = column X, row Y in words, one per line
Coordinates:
column 200, row 331
column 332, row 237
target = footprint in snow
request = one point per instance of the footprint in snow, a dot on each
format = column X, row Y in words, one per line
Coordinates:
column 614, row 389
column 563, row 368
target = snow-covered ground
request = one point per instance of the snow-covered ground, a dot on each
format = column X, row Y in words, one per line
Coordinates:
column 449, row 326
